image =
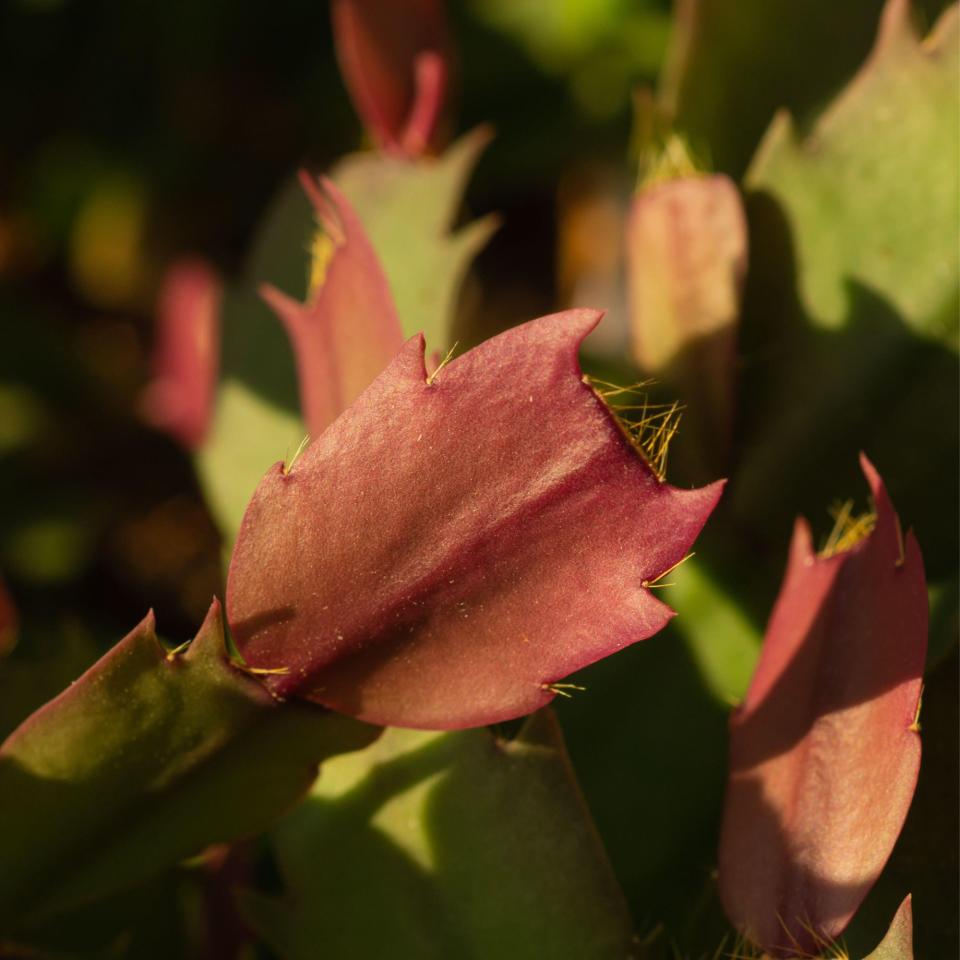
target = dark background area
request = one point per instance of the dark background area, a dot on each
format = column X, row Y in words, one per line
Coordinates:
column 134, row 133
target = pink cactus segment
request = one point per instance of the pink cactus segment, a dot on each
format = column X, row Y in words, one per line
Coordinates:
column 825, row 750
column 687, row 256
column 455, row 543
column 348, row 330
column 394, row 56
column 179, row 398
column 686, row 249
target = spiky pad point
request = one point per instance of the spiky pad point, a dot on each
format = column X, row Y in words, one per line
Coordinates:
column 447, row 550
column 347, row 331
column 824, row 751
column 898, row 942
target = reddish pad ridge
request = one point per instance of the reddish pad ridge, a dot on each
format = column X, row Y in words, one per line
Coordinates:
column 452, row 545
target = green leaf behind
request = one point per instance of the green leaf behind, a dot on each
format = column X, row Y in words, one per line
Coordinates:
column 408, row 209
column 731, row 66
column 849, row 332
column 446, row 845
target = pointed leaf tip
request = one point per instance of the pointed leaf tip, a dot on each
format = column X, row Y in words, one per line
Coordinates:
column 897, row 944
column 347, row 331
column 447, row 549
column 824, row 753
column 210, row 640
column 325, row 199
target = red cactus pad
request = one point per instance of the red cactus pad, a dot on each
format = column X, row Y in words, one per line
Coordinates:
column 348, row 330
column 825, row 750
column 454, row 544
column 179, row 399
column 395, row 59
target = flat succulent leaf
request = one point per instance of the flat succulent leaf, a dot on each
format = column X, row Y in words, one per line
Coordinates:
column 347, row 331
column 145, row 760
column 825, row 751
column 462, row 845
column 179, row 398
column 898, row 943
column 732, row 66
column 257, row 419
column 408, row 208
column 395, row 58
column 453, row 545
column 838, row 184
column 856, row 300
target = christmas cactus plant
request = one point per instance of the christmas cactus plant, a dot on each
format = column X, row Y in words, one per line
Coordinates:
column 417, row 719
